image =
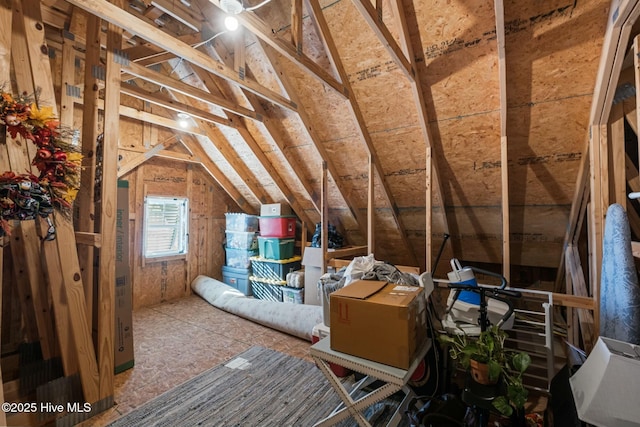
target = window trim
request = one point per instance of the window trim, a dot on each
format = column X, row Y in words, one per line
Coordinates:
column 183, row 203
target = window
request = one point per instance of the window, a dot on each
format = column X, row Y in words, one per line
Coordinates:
column 166, row 226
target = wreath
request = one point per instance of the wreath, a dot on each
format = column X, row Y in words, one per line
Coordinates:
column 26, row 196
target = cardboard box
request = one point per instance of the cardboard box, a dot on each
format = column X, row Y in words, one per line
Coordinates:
column 606, row 387
column 379, row 321
column 275, row 209
column 123, row 340
column 312, row 262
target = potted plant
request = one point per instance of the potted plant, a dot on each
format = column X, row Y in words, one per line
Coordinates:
column 484, row 353
column 487, row 352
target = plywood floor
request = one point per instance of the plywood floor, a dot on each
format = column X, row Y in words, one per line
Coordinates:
column 177, row 340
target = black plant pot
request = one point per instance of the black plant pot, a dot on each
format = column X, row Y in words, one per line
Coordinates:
column 517, row 418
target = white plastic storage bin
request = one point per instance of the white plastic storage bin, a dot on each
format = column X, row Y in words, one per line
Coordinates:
column 242, row 239
column 241, row 222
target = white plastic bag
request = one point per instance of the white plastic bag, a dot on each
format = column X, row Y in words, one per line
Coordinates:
column 358, row 267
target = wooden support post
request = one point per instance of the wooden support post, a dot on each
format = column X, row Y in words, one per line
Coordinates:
column 5, row 67
column 86, row 198
column 504, row 158
column 60, row 255
column 324, row 217
column 617, row 157
column 636, row 67
column 108, row 194
column 371, row 217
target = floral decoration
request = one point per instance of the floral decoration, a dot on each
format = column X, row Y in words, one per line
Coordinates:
column 26, row 196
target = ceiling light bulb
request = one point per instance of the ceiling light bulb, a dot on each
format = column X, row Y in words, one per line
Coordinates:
column 183, row 120
column 231, row 23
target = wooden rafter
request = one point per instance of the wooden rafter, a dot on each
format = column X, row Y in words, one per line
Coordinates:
column 127, row 21
column 181, row 13
column 265, row 33
column 253, row 145
column 176, row 85
column 218, row 175
column 373, row 18
column 325, row 157
column 270, row 125
column 167, row 102
column 334, row 57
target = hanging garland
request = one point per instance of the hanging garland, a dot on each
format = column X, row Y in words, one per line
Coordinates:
column 26, row 196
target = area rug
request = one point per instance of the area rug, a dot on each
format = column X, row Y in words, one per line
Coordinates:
column 260, row 387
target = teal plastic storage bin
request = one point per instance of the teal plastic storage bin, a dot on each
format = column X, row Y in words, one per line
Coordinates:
column 238, row 278
column 273, row 248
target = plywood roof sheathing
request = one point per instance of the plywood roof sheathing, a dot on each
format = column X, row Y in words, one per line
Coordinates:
column 361, row 126
column 218, row 175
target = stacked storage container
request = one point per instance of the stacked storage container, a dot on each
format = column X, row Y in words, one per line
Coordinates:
column 242, row 244
column 276, row 244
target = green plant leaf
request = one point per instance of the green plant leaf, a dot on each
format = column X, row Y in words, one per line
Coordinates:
column 517, row 394
column 494, row 370
column 502, row 405
column 521, row 361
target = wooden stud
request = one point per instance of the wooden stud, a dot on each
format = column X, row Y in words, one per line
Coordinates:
column 86, row 198
column 68, row 82
column 64, row 276
column 434, row 191
column 636, row 68
column 324, row 220
column 371, row 218
column 617, row 157
column 296, row 25
column 108, row 195
column 504, row 147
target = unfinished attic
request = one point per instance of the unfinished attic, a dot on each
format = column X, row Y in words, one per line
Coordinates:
column 227, row 212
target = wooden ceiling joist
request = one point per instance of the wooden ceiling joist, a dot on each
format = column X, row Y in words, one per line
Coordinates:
column 334, row 57
column 127, row 21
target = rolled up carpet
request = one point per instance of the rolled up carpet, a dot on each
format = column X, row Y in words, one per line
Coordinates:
column 294, row 319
